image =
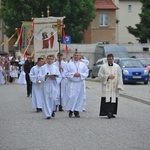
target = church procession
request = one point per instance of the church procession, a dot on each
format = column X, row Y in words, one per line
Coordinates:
column 58, row 85
column 54, row 83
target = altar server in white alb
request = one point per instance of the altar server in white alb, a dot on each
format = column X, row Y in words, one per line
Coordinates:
column 77, row 71
column 37, row 96
column 50, row 76
column 110, row 76
column 62, row 86
column 86, row 62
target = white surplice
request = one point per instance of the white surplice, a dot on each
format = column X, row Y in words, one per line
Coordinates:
column 62, row 84
column 86, row 62
column 49, row 88
column 75, row 88
column 37, row 95
column 110, row 86
column 1, row 75
column 22, row 78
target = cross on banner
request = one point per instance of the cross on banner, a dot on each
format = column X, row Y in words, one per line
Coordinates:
column 59, row 27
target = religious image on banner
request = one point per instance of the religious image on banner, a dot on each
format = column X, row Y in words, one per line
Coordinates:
column 26, row 39
column 45, row 36
column 47, row 41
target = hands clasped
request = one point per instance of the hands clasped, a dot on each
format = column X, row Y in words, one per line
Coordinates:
column 111, row 76
column 77, row 74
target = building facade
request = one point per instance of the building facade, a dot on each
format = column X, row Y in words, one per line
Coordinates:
column 103, row 27
column 127, row 15
column 111, row 22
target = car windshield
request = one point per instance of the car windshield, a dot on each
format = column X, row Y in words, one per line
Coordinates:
column 119, row 54
column 131, row 64
column 145, row 61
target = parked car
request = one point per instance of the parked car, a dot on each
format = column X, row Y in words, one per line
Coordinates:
column 146, row 62
column 102, row 50
column 96, row 66
column 132, row 70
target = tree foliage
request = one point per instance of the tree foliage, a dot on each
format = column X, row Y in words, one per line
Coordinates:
column 142, row 30
column 79, row 14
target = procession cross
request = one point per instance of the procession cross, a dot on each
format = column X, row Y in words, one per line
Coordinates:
column 59, row 27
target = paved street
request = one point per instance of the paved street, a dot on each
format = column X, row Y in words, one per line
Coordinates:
column 21, row 128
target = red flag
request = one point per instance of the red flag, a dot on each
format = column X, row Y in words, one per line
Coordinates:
column 66, row 46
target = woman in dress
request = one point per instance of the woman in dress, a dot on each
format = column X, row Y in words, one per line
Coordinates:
column 14, row 72
column 22, row 79
column 1, row 73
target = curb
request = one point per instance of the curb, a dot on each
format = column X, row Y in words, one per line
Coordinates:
column 135, row 99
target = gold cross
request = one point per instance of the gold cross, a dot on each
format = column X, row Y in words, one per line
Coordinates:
column 59, row 27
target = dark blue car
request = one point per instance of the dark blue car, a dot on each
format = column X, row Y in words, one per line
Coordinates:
column 132, row 70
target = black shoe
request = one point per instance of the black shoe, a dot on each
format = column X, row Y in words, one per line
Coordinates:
column 37, row 110
column 113, row 116
column 76, row 114
column 28, row 95
column 109, row 115
column 48, row 118
column 70, row 114
column 53, row 114
column 40, row 109
column 60, row 108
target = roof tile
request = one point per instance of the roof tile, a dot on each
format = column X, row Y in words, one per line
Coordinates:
column 105, row 4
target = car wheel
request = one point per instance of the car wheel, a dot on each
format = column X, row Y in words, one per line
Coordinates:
column 146, row 82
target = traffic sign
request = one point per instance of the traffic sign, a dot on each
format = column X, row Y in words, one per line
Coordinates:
column 67, row 40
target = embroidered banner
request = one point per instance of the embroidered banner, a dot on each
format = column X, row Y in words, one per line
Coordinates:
column 45, row 36
column 26, row 38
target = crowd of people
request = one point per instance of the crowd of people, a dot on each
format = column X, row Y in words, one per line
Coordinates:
column 9, row 69
column 55, row 84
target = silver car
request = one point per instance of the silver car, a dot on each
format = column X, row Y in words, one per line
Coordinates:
column 96, row 66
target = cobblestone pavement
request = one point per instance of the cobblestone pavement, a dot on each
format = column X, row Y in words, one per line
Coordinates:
column 21, row 128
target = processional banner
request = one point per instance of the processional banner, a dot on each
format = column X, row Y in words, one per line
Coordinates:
column 26, row 39
column 45, row 36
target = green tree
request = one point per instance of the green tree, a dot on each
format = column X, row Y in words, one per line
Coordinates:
column 142, row 30
column 79, row 14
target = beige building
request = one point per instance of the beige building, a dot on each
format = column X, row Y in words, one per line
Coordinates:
column 126, row 15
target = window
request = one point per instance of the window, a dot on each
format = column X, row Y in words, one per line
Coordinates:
column 129, row 7
column 103, row 19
